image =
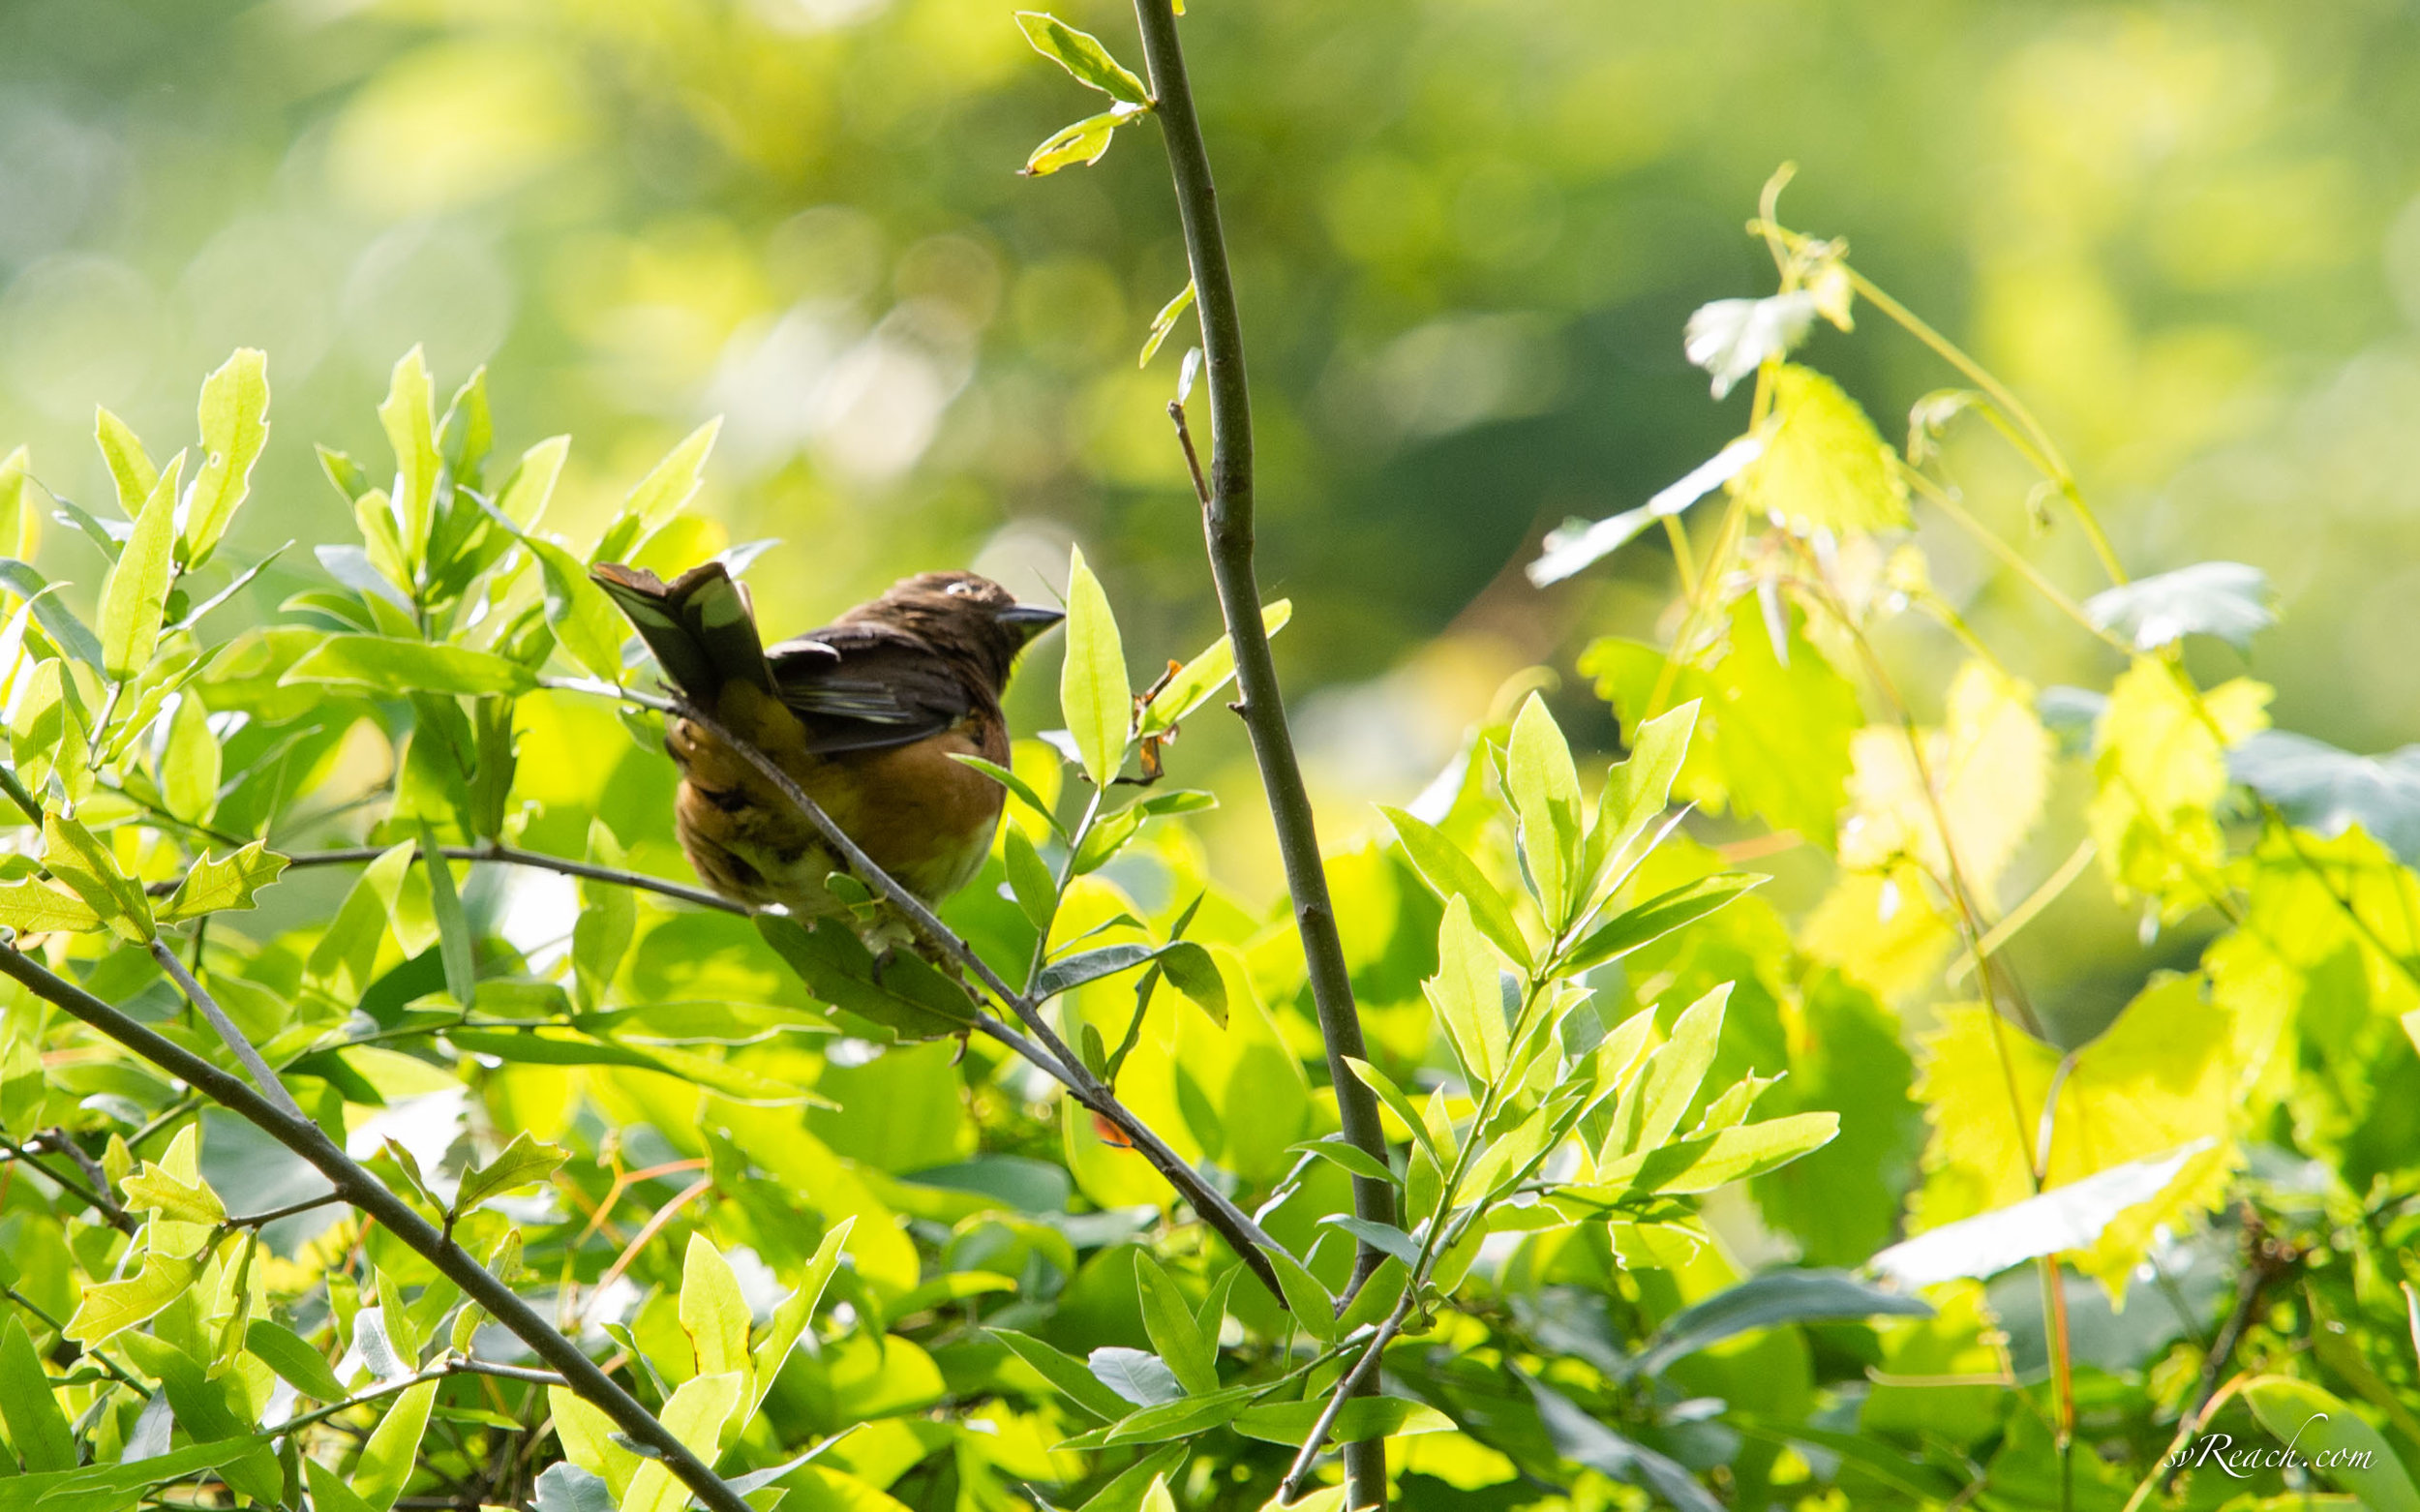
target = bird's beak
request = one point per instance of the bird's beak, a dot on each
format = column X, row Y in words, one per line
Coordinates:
column 1030, row 619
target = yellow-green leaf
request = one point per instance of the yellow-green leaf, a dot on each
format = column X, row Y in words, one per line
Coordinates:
column 1166, row 322
column 1465, row 993
column 77, row 857
column 1082, row 55
column 190, row 765
column 130, row 468
column 524, row 1162
column 695, row 1414
column 394, row 666
column 1094, row 696
column 31, row 907
column 659, row 496
column 112, row 1306
column 713, row 1311
column 584, row 619
column 408, row 415
column 1192, row 684
column 1985, row 773
column 387, row 1460
column 134, row 600
column 216, row 884
column 235, row 428
column 2159, row 768
column 1545, row 792
column 1081, row 142
column 1824, row 466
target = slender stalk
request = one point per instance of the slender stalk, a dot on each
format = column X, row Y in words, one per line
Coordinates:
column 242, row 1047
column 95, row 1196
column 365, row 1192
column 1227, row 526
column 509, row 856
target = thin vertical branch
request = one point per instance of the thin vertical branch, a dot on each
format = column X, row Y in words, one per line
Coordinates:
column 1227, row 525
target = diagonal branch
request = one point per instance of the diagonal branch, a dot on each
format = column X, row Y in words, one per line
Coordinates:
column 1052, row 1055
column 242, row 1047
column 365, row 1192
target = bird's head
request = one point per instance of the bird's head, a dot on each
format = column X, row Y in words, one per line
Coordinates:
column 963, row 613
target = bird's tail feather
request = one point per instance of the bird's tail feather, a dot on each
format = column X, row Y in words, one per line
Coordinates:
column 701, row 625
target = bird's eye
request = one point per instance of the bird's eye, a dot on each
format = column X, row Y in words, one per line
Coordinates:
column 959, row 589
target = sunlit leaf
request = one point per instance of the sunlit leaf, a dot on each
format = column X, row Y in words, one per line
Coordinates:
column 1576, row 545
column 1544, row 787
column 1657, row 916
column 695, row 1414
column 1082, row 55
column 657, row 496
column 2226, row 599
column 584, row 619
column 1732, row 338
column 2159, row 768
column 397, row 666
column 1079, row 1384
column 112, row 1306
column 1450, row 871
column 408, row 415
column 713, row 1311
column 1080, row 141
column 1166, row 322
column 2070, row 1217
column 31, row 907
column 1094, row 694
column 1193, row 684
column 133, row 602
column 36, row 1425
column 234, row 430
column 1359, row 1420
column 1191, row 1356
column 524, row 1162
column 215, row 884
column 2333, row 1438
column 131, row 470
column 1986, row 773
column 1650, row 1108
column 78, row 858
column 1824, row 466
column 1467, row 995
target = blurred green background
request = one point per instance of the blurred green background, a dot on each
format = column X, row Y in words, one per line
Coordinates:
column 1467, row 233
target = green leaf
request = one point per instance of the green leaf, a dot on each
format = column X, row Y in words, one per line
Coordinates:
column 1392, row 1096
column 1082, row 55
column 1094, row 695
column 658, row 496
column 234, row 430
column 1018, row 786
column 1658, row 917
column 1180, row 1419
column 2226, row 599
column 712, row 1311
column 2332, row 1438
column 1357, row 1421
column 1193, row 1358
column 584, row 619
column 1137, row 1376
column 695, row 1414
column 1701, row 1165
column 609, row 918
column 524, row 497
column 31, row 907
column 1638, row 790
column 1384, row 1237
column 130, row 468
column 380, row 1476
column 796, row 1311
column 1468, row 997
column 215, row 885
column 58, row 621
column 524, row 1162
column 1545, row 790
column 408, row 415
column 1449, row 871
column 1036, row 892
column 453, row 929
column 328, row 1492
column 77, row 857
column 190, row 764
column 905, row 995
column 1192, row 971
column 175, row 1198
column 1080, row 141
column 1133, row 1485
column 1339, row 1151
column 36, row 1425
column 1192, row 684
column 1069, row 1375
column 2326, row 790
column 133, row 601
column 1166, row 322
column 1653, row 1104
column 1070, row 972
column 1306, row 1297
column 1824, row 466
column 110, row 1307
column 1771, row 1301
column 295, row 1361
column 393, row 666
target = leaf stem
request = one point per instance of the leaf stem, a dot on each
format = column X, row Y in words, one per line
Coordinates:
column 240, row 1047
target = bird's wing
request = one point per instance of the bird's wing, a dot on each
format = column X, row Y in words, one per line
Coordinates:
column 865, row 687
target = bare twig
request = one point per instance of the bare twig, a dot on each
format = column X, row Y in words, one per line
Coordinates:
column 241, row 1047
column 510, row 856
column 95, row 1196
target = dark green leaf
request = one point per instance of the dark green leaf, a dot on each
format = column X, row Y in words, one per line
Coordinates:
column 904, row 994
column 1384, row 1237
column 295, row 1361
